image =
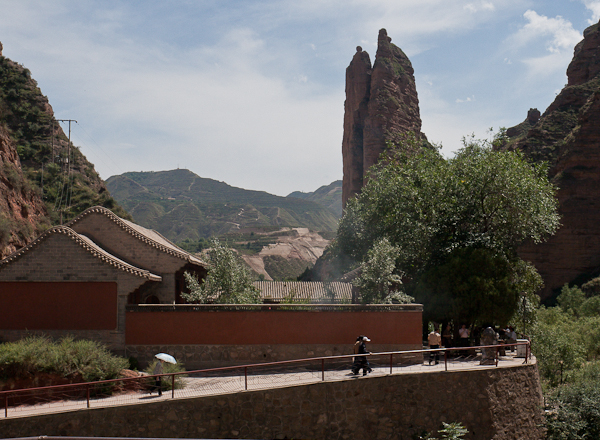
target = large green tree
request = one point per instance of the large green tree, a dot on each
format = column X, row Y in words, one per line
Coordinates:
column 457, row 224
column 228, row 280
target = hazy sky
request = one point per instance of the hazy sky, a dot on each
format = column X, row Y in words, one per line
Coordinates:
column 252, row 92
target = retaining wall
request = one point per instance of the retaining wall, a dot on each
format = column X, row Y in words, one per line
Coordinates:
column 496, row 403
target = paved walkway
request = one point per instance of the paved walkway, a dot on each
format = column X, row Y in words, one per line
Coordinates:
column 260, row 379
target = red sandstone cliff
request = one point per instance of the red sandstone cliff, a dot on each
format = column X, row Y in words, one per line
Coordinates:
column 381, row 104
column 22, row 212
column 567, row 136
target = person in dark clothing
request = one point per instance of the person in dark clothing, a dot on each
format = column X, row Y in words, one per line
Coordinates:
column 158, row 369
column 360, row 347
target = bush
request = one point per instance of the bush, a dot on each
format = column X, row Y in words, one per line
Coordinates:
column 167, row 368
column 67, row 357
column 575, row 412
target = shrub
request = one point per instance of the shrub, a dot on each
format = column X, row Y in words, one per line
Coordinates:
column 66, row 357
column 575, row 412
column 168, row 368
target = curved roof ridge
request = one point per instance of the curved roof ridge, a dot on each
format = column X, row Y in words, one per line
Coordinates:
column 141, row 233
column 89, row 246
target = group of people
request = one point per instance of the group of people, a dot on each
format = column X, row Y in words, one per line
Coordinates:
column 446, row 339
column 435, row 340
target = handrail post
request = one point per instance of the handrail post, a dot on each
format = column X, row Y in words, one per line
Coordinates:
column 172, row 386
column 445, row 360
column 87, row 392
column 323, row 370
column 246, row 378
column 391, row 362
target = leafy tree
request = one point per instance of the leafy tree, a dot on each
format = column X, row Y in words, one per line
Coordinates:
column 576, row 413
column 378, row 281
column 228, row 280
column 571, row 299
column 456, row 223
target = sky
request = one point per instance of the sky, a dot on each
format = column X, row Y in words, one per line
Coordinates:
column 252, row 92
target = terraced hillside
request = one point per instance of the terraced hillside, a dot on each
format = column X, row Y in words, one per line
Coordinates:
column 184, row 206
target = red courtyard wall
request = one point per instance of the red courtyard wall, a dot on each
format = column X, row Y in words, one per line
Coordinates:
column 58, row 305
column 271, row 327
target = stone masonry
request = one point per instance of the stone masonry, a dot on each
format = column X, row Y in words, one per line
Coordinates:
column 196, row 357
column 498, row 404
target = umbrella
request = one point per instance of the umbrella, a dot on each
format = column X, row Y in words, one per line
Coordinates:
column 166, row 357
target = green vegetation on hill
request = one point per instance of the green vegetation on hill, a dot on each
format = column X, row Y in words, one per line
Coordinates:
column 59, row 172
column 566, row 343
column 183, row 206
column 329, row 196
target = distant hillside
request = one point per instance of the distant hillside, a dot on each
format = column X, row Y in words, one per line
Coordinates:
column 183, row 206
column 329, row 196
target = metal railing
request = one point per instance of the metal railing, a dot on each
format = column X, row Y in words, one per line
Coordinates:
column 211, row 381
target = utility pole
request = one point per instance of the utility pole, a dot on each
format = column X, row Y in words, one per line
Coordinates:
column 68, row 164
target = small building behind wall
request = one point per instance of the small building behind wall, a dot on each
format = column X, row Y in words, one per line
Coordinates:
column 144, row 248
column 78, row 282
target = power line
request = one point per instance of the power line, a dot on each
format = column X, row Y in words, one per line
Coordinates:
column 69, row 192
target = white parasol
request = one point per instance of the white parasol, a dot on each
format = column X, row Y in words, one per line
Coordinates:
column 166, row 357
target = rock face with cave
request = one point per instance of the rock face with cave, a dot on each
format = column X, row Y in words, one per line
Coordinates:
column 381, row 106
column 567, row 136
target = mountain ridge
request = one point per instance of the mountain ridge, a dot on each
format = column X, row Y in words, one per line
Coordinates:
column 166, row 200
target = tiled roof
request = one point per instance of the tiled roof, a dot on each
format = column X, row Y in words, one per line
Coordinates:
column 310, row 291
column 89, row 246
column 148, row 236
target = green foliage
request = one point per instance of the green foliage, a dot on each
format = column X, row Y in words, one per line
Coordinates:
column 284, row 269
column 476, row 285
column 194, row 246
column 450, row 431
column 567, row 336
column 575, row 412
column 449, row 214
column 377, row 282
column 67, row 357
column 228, row 280
column 6, row 226
column 166, row 383
column 571, row 299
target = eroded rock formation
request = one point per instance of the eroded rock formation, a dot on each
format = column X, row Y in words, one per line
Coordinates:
column 381, row 105
column 567, row 136
column 21, row 209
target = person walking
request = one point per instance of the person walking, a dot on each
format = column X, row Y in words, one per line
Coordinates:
column 360, row 347
column 158, row 369
column 435, row 341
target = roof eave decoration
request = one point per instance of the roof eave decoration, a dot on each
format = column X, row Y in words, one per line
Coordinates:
column 105, row 257
column 119, row 221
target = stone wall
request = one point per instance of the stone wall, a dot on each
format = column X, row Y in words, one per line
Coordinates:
column 498, row 403
column 197, row 357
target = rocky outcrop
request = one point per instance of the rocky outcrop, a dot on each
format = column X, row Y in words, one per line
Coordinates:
column 567, row 136
column 381, row 105
column 22, row 211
